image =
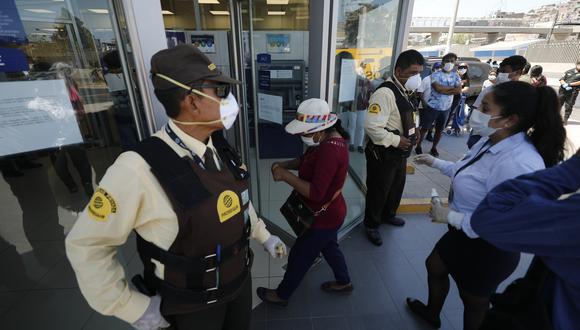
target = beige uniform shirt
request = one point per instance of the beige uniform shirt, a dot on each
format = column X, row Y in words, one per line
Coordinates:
column 129, row 198
column 383, row 113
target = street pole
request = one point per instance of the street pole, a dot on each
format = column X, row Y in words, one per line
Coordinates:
column 452, row 27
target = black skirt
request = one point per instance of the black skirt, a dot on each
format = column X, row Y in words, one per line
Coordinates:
column 477, row 267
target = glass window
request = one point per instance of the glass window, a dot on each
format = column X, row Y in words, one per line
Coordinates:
column 65, row 115
column 366, row 33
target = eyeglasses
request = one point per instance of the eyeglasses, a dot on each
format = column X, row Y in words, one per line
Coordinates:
column 462, row 67
column 221, row 90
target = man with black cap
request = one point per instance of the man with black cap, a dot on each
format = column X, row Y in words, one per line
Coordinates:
column 184, row 192
column 569, row 88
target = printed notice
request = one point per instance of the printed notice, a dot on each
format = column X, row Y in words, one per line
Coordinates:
column 36, row 115
column 270, row 108
column 347, row 80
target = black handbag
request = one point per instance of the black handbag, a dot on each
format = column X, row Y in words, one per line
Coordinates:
column 299, row 215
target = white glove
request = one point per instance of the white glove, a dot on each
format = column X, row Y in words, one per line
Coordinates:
column 275, row 247
column 442, row 214
column 424, row 160
column 152, row 318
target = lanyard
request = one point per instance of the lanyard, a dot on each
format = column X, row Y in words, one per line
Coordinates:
column 180, row 143
column 477, row 157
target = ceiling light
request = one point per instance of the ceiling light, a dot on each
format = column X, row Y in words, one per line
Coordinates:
column 99, row 11
column 277, row 2
column 58, row 0
column 219, row 12
column 50, row 30
column 276, row 13
column 208, row 2
column 167, row 12
column 40, row 11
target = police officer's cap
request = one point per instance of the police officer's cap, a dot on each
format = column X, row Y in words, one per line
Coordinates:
column 185, row 64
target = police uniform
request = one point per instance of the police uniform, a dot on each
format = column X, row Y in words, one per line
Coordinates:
column 568, row 97
column 188, row 203
column 390, row 116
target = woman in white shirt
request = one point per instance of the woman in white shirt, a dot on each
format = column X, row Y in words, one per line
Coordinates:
column 491, row 77
column 508, row 113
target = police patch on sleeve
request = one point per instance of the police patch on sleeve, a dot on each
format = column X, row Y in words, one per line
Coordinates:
column 374, row 108
column 102, row 205
column 228, row 205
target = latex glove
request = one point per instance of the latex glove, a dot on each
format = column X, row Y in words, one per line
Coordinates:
column 152, row 318
column 442, row 214
column 275, row 247
column 424, row 160
column 565, row 85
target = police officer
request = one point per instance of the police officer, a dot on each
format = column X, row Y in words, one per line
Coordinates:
column 390, row 127
column 569, row 88
column 184, row 192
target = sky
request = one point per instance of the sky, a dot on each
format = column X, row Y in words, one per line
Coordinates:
column 474, row 8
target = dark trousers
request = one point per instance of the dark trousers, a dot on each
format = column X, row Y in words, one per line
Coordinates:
column 386, row 175
column 235, row 315
column 568, row 99
column 305, row 250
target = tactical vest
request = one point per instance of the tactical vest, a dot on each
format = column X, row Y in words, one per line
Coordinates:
column 210, row 258
column 406, row 109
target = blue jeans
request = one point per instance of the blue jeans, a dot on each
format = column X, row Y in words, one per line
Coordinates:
column 304, row 252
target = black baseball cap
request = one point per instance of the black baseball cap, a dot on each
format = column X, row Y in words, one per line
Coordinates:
column 185, row 64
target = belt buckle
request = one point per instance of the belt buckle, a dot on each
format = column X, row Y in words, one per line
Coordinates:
column 211, row 292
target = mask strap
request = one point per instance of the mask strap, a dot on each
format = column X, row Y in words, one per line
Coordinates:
column 190, row 89
column 199, row 123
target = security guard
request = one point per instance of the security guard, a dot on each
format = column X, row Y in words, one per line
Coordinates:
column 390, row 126
column 569, row 88
column 184, row 192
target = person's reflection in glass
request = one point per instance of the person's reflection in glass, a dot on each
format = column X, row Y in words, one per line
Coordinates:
column 121, row 105
column 16, row 278
column 77, row 153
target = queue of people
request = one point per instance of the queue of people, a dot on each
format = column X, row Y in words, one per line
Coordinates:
column 184, row 192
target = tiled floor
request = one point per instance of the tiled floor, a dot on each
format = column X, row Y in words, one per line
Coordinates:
column 383, row 277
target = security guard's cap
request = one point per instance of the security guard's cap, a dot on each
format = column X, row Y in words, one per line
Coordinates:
column 185, row 64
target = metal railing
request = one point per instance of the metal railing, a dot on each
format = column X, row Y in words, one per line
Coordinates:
column 554, row 52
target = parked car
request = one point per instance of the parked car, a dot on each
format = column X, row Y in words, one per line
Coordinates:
column 478, row 72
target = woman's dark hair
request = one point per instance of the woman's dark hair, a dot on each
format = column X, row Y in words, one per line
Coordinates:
column 536, row 71
column 171, row 100
column 337, row 127
column 538, row 110
column 449, row 57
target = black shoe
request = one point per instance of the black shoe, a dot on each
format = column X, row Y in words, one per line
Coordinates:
column 351, row 148
column 395, row 221
column 374, row 236
column 420, row 310
column 429, row 137
column 334, row 287
column 434, row 153
column 361, row 150
column 418, row 150
column 271, row 297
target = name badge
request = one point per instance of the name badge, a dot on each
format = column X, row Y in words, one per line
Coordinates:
column 412, row 131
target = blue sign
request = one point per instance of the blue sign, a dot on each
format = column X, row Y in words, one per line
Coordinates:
column 264, row 82
column 12, row 60
column 264, row 58
column 11, row 28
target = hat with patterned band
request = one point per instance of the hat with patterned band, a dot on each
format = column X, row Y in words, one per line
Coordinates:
column 313, row 116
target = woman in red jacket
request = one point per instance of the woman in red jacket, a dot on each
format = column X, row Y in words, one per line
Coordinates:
column 321, row 175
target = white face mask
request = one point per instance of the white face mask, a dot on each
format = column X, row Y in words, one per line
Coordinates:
column 479, row 122
column 462, row 71
column 502, row 77
column 413, row 82
column 448, row 66
column 491, row 78
column 309, row 141
column 229, row 110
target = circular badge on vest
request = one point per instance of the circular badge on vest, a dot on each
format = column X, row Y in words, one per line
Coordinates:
column 102, row 205
column 228, row 205
column 375, row 108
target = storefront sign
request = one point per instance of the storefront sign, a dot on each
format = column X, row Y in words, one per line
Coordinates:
column 12, row 60
column 278, row 43
column 36, row 115
column 206, row 44
column 270, row 108
column 11, row 28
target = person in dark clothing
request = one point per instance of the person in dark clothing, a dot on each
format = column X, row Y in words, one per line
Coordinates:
column 569, row 88
column 322, row 172
column 533, row 214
